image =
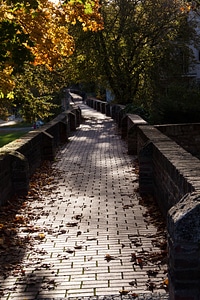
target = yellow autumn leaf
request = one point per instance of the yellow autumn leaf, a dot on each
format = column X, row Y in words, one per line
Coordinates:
column 166, row 282
column 41, row 236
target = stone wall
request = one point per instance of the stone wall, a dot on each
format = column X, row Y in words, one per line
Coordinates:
column 129, row 124
column 186, row 135
column 172, row 175
column 166, row 170
column 20, row 158
column 183, row 244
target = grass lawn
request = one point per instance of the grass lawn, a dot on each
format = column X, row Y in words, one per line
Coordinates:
column 9, row 136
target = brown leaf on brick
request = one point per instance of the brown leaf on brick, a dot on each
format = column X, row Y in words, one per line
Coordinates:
column 109, row 257
column 127, row 206
column 133, row 257
column 72, row 224
column 70, row 251
column 150, row 285
column 133, row 283
column 152, row 273
column 134, row 295
column 124, row 292
column 19, row 219
column 140, row 262
column 78, row 247
column 78, row 217
column 165, row 284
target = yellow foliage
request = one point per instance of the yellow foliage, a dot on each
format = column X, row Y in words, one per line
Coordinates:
column 47, row 27
column 87, row 13
column 6, row 81
column 41, row 236
column 48, row 32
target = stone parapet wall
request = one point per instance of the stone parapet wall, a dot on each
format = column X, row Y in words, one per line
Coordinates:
column 6, row 184
column 173, row 171
column 186, row 135
column 129, row 124
column 183, row 244
column 20, row 158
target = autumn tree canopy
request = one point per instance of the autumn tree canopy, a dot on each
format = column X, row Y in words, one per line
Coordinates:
column 36, row 31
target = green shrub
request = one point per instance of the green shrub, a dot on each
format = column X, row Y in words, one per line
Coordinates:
column 180, row 104
column 137, row 110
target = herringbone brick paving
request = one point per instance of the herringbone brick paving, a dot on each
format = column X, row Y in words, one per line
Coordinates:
column 94, row 240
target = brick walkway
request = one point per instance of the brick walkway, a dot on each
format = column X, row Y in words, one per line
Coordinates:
column 95, row 237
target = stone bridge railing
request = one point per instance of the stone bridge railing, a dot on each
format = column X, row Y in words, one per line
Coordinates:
column 172, row 175
column 19, row 159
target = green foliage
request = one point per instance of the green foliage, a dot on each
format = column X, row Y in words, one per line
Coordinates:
column 36, row 93
column 138, row 110
column 180, row 104
column 12, row 51
column 5, row 107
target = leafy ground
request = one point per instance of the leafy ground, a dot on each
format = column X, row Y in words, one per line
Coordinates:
column 15, row 217
column 19, row 235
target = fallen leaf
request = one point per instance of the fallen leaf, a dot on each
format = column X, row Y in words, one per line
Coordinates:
column 128, row 206
column 165, row 283
column 19, row 219
column 140, row 261
column 133, row 283
column 109, row 257
column 133, row 257
column 62, row 231
column 23, row 272
column 90, row 258
column 46, row 266
column 78, row 247
column 150, row 285
column 72, row 224
column 91, row 238
column 134, row 295
column 152, row 273
column 68, row 250
column 123, row 292
column 41, row 236
column 78, row 217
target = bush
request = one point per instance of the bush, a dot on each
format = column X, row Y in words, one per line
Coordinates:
column 180, row 104
column 137, row 110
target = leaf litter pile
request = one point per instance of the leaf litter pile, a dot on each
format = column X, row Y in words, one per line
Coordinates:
column 17, row 231
column 157, row 259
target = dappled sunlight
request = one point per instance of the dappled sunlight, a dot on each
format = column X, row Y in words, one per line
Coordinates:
column 91, row 233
